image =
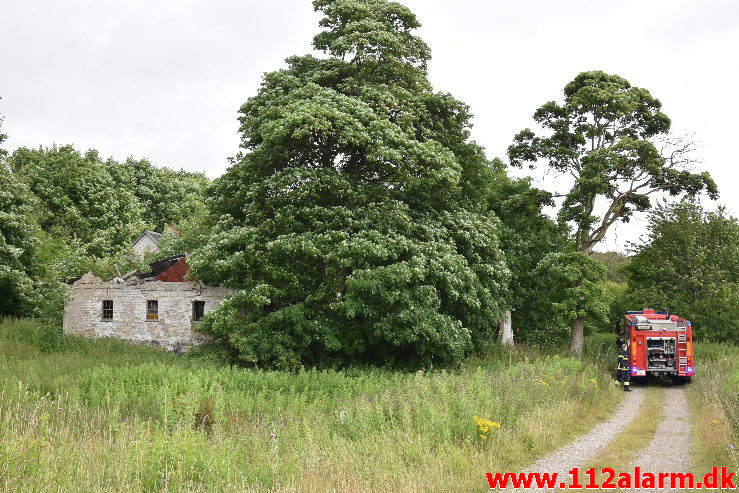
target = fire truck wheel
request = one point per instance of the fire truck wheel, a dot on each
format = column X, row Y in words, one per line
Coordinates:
column 681, row 380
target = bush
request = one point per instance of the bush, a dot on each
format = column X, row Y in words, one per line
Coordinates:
column 212, row 353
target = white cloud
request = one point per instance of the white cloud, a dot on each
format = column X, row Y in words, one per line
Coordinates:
column 164, row 80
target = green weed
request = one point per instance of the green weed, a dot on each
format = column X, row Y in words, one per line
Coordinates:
column 714, row 398
column 103, row 415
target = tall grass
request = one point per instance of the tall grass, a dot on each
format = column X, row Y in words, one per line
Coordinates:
column 714, row 396
column 103, row 415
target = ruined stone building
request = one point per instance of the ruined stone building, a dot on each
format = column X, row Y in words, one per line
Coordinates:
column 159, row 308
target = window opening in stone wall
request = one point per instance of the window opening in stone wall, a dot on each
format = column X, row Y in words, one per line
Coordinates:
column 152, row 310
column 107, row 309
column 198, row 310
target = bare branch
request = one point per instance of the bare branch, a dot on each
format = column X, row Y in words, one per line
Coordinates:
column 679, row 151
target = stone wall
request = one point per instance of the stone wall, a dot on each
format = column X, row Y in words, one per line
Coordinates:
column 174, row 327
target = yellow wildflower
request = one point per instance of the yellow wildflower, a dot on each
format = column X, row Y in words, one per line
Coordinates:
column 485, row 426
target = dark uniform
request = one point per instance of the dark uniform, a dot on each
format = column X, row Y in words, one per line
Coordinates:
column 624, row 375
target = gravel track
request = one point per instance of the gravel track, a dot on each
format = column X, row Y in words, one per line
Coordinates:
column 582, row 451
column 669, row 450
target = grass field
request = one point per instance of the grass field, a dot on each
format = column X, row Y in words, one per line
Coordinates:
column 714, row 397
column 103, row 415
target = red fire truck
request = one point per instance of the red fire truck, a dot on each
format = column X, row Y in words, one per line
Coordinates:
column 659, row 344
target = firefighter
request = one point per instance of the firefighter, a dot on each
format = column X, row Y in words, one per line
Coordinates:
column 624, row 376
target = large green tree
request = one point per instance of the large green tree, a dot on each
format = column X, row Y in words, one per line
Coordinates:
column 78, row 199
column 572, row 284
column 167, row 197
column 528, row 235
column 690, row 265
column 90, row 209
column 18, row 242
column 353, row 223
column 603, row 136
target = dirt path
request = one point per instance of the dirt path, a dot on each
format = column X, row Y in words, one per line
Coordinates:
column 669, row 450
column 580, row 452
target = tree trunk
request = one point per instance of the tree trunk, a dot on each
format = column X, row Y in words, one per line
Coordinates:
column 577, row 337
column 505, row 328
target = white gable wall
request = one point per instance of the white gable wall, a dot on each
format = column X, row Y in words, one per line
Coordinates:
column 145, row 244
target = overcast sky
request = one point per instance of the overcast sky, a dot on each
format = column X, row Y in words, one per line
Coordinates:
column 164, row 79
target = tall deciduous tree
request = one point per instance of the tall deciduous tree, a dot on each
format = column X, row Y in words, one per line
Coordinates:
column 78, row 198
column 690, row 265
column 18, row 242
column 527, row 236
column 166, row 196
column 602, row 135
column 353, row 223
column 571, row 283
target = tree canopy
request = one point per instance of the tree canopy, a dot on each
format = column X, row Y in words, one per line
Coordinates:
column 167, row 197
column 78, row 198
column 90, row 210
column 572, row 284
column 602, row 135
column 18, row 242
column 689, row 264
column 353, row 222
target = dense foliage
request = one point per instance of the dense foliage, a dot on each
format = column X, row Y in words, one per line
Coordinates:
column 602, row 135
column 78, row 198
column 573, row 287
column 354, row 222
column 90, row 210
column 167, row 197
column 527, row 237
column 18, row 241
column 614, row 290
column 18, row 244
column 690, row 265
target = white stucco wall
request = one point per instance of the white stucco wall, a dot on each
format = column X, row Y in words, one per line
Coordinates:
column 145, row 244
